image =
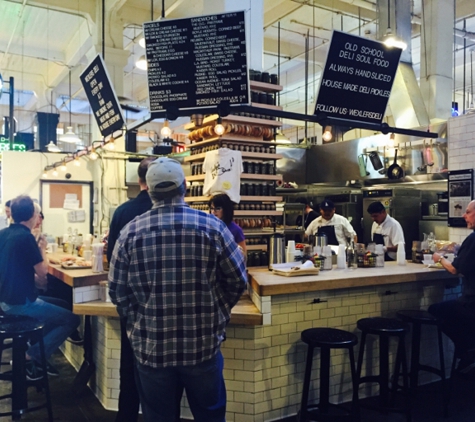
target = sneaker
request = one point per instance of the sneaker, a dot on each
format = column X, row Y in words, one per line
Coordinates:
column 75, row 338
column 51, row 370
column 33, row 371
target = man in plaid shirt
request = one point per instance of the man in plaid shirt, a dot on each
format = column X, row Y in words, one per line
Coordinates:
column 175, row 274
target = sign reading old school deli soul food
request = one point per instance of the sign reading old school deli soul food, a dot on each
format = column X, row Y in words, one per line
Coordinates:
column 357, row 80
column 197, row 62
column 102, row 98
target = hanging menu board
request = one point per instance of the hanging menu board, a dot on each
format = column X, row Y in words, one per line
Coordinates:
column 357, row 79
column 101, row 97
column 460, row 195
column 197, row 62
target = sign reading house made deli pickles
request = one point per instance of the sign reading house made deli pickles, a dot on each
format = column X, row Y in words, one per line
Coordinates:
column 357, row 80
column 197, row 62
column 102, row 98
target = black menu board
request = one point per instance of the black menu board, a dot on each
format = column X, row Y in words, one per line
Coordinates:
column 460, row 188
column 101, row 97
column 197, row 62
column 357, row 79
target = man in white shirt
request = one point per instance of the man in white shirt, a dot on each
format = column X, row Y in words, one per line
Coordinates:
column 385, row 230
column 336, row 227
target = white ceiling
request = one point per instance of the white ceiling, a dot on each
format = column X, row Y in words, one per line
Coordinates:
column 40, row 41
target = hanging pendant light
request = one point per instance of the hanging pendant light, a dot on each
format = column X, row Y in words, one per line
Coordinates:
column 52, row 147
column 392, row 40
column 70, row 137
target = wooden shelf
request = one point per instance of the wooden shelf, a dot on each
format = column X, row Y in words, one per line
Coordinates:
column 260, row 213
column 256, row 247
column 229, row 137
column 243, row 198
column 236, row 119
column 265, row 87
column 290, row 190
column 267, row 106
column 246, row 176
column 260, row 232
column 256, row 155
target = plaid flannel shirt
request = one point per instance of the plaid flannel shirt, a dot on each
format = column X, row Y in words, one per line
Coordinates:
column 175, row 274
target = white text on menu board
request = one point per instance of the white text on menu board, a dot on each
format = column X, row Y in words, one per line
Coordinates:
column 106, row 114
column 367, row 56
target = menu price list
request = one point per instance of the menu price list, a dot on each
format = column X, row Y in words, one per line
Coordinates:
column 197, row 62
column 357, row 79
column 101, row 97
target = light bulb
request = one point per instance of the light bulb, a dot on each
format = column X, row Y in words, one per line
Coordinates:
column 111, row 145
column 166, row 132
column 142, row 42
column 55, row 172
column 45, row 174
column 77, row 162
column 327, row 134
column 93, row 155
column 141, row 63
column 63, row 167
column 219, row 128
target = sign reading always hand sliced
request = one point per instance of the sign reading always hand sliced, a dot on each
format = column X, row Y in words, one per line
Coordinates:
column 102, row 98
column 357, row 79
column 197, row 62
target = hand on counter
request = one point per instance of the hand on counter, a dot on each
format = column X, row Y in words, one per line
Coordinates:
column 439, row 258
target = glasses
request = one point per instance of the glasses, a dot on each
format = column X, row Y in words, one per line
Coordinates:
column 213, row 209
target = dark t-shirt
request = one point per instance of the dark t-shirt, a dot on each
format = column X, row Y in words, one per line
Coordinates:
column 236, row 231
column 124, row 214
column 19, row 253
column 465, row 263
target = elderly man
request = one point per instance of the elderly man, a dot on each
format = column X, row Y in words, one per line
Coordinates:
column 175, row 274
column 23, row 269
column 458, row 316
column 336, row 227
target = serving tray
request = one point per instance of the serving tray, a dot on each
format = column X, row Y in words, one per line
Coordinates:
column 292, row 269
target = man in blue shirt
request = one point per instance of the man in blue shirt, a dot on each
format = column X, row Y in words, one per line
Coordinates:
column 175, row 274
column 23, row 269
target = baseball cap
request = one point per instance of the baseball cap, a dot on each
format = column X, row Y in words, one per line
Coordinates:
column 164, row 170
column 327, row 205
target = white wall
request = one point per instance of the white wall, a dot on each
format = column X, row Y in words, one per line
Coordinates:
column 461, row 154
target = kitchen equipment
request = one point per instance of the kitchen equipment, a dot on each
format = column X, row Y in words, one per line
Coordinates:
column 433, row 209
column 362, row 162
column 321, row 240
column 395, row 171
column 276, row 249
column 428, row 153
column 375, row 160
column 442, row 203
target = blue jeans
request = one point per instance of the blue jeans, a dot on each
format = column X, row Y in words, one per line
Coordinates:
column 204, row 386
column 59, row 323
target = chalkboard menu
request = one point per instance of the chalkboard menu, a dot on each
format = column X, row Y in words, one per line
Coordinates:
column 357, row 79
column 102, row 98
column 197, row 62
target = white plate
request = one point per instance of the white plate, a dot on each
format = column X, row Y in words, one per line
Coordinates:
column 428, row 262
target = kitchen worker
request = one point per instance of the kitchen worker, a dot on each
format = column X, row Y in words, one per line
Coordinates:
column 309, row 213
column 385, row 230
column 457, row 316
column 336, row 227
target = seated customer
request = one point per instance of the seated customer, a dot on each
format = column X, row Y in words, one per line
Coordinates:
column 23, row 269
column 458, row 316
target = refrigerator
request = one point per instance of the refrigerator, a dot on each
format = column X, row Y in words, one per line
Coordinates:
column 402, row 204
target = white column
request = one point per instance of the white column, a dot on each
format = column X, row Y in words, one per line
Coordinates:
column 437, row 58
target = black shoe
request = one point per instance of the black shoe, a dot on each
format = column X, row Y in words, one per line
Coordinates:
column 51, row 370
column 33, row 371
column 75, row 338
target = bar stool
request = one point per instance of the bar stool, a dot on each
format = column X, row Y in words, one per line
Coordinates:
column 327, row 339
column 418, row 319
column 385, row 328
column 21, row 329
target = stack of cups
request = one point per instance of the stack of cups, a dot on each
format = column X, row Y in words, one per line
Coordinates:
column 327, row 252
column 97, row 253
column 341, row 258
column 379, row 251
column 290, row 251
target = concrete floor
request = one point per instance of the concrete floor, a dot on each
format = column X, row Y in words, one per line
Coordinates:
column 69, row 407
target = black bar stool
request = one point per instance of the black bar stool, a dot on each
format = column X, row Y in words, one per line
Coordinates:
column 21, row 329
column 385, row 328
column 418, row 319
column 327, row 339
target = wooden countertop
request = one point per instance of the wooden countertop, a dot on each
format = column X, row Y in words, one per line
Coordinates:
column 74, row 278
column 265, row 283
column 245, row 312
